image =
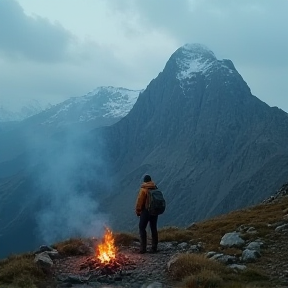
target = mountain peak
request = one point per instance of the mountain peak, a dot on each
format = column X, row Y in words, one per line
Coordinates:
column 192, row 58
column 196, row 48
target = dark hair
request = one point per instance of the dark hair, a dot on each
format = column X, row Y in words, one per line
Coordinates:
column 147, row 178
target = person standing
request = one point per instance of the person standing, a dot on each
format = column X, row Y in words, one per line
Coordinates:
column 141, row 210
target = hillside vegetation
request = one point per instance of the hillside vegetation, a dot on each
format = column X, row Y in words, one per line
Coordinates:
column 194, row 270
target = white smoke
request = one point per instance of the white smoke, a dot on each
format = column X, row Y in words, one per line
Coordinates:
column 69, row 206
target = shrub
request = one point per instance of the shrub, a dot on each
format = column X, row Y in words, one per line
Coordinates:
column 72, row 247
column 124, row 239
column 192, row 264
column 204, row 279
column 20, row 270
column 174, row 234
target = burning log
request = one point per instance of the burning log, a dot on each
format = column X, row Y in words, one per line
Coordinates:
column 107, row 260
column 116, row 265
column 107, row 264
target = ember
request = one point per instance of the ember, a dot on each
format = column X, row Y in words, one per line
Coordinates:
column 119, row 264
column 106, row 264
column 106, row 251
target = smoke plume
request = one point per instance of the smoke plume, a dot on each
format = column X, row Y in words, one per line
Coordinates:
column 70, row 178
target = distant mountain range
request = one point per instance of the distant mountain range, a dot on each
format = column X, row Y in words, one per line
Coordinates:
column 101, row 107
column 208, row 143
column 101, row 104
column 28, row 109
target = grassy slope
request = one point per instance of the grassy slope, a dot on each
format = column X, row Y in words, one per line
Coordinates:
column 195, row 270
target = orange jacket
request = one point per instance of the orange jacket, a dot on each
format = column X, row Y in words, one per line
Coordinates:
column 142, row 199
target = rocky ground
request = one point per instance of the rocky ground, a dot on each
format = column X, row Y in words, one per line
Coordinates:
column 150, row 270
column 142, row 270
column 274, row 260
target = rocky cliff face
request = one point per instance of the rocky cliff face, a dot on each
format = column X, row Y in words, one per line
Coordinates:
column 206, row 140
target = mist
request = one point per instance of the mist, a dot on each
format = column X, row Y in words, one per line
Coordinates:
column 70, row 178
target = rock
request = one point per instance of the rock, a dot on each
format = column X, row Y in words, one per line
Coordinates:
column 237, row 267
column 53, row 253
column 172, row 261
column 242, row 228
column 194, row 248
column 64, row 285
column 43, row 260
column 281, row 228
column 166, row 245
column 232, row 240
column 182, row 245
column 76, row 279
column 210, row 254
column 276, row 224
column 152, row 285
column 250, row 255
column 251, row 230
column 225, row 259
column 44, row 248
column 256, row 245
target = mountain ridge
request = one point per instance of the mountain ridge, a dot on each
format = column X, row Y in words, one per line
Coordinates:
column 207, row 142
column 216, row 107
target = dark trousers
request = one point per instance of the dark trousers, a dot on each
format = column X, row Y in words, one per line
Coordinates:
column 145, row 217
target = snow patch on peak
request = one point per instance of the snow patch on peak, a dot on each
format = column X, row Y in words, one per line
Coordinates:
column 194, row 58
column 197, row 48
column 121, row 101
column 103, row 102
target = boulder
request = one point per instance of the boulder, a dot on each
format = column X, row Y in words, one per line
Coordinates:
column 232, row 239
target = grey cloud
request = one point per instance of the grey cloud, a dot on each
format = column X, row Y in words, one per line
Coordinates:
column 31, row 37
column 249, row 31
column 60, row 81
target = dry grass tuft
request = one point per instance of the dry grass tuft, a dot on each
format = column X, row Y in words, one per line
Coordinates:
column 72, row 247
column 197, row 271
column 252, row 274
column 175, row 234
column 124, row 239
column 193, row 264
column 204, row 279
column 20, row 271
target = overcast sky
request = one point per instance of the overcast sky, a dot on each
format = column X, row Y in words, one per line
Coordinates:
column 51, row 50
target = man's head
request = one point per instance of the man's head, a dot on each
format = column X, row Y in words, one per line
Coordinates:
column 147, row 178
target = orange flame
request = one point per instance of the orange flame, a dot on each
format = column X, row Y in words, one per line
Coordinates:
column 106, row 250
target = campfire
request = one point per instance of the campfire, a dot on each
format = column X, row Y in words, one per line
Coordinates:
column 106, row 251
column 107, row 259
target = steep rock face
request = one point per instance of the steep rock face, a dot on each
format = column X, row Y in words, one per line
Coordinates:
column 206, row 140
column 210, row 145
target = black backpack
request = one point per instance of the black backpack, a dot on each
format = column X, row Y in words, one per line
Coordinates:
column 156, row 202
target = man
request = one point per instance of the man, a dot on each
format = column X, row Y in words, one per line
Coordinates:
column 145, row 217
